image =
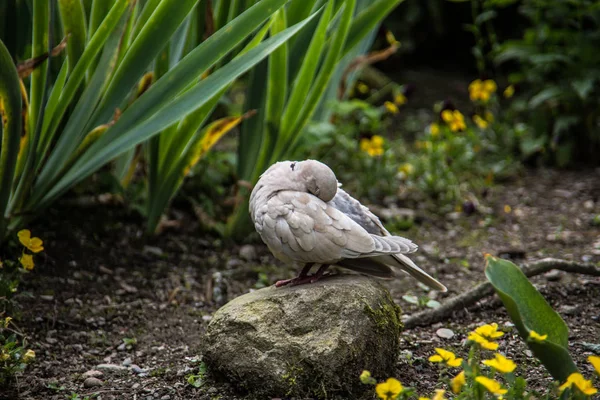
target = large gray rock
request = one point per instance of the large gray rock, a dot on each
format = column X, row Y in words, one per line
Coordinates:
column 306, row 341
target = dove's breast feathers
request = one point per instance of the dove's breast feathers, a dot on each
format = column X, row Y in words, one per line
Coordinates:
column 300, row 227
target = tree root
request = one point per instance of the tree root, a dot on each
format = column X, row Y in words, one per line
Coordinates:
column 483, row 290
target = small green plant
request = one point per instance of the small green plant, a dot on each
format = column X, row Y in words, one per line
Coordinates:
column 14, row 355
column 11, row 271
column 421, row 301
column 198, row 379
column 129, row 343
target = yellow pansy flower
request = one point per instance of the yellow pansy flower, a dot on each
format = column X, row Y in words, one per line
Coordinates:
column 485, row 335
column 584, row 385
column 458, row 382
column 480, row 122
column 509, row 91
column 439, row 395
column 501, row 364
column 28, row 356
column 391, row 107
column 389, row 389
column 488, row 116
column 533, row 335
column 34, row 244
column 454, row 119
column 400, row 99
column 27, row 261
column 491, row 385
column 447, row 357
column 482, row 90
column 489, row 331
column 595, row 361
column 373, row 146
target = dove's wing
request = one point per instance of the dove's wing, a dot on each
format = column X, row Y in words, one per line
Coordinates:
column 379, row 266
column 300, row 227
column 360, row 214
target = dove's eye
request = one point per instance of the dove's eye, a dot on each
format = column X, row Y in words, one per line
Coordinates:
column 293, row 165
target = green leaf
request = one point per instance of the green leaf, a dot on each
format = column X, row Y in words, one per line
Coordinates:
column 530, row 312
column 72, row 16
column 485, row 17
column 583, row 87
column 10, row 128
column 545, row 95
column 39, row 47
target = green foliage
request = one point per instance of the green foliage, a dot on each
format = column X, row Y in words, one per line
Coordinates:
column 555, row 67
column 93, row 111
column 14, row 355
column 530, row 312
column 198, row 379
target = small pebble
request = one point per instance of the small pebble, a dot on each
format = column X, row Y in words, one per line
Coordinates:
column 127, row 362
column 92, row 382
column 553, row 275
column 93, row 373
column 247, row 252
column 445, row 333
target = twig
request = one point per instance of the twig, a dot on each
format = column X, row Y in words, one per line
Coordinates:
column 486, row 289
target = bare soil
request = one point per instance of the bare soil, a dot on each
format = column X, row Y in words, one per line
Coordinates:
column 101, row 281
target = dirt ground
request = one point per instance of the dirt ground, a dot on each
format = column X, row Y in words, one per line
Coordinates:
column 103, row 293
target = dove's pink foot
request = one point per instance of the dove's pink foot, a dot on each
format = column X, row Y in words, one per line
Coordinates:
column 303, row 277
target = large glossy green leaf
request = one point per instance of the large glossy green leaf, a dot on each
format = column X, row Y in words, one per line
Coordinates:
column 530, row 312
column 118, row 140
column 10, row 128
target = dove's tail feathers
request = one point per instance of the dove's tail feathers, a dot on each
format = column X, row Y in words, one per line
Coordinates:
column 408, row 266
column 393, row 244
column 368, row 266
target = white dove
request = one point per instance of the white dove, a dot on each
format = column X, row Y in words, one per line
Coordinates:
column 304, row 217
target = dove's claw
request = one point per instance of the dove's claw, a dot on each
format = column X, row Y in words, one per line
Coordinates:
column 303, row 278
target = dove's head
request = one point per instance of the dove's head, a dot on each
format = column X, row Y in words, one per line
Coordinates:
column 308, row 176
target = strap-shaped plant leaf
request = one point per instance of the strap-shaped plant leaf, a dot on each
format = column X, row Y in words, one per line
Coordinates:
column 10, row 126
column 530, row 312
